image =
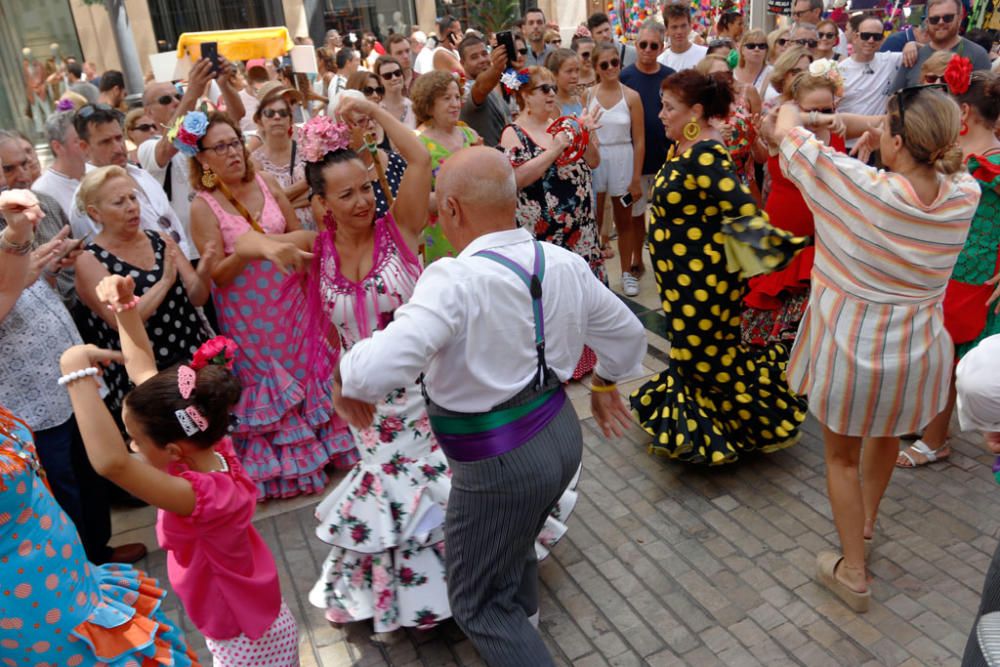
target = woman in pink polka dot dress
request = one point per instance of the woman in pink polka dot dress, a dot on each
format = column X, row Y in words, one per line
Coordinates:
column 178, row 419
column 56, row 608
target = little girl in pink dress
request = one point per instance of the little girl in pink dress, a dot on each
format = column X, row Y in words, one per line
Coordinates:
column 178, row 420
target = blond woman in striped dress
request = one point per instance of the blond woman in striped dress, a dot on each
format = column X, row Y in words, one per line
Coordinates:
column 872, row 353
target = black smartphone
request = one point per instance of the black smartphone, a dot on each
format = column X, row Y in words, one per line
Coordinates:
column 626, row 200
column 210, row 50
column 506, row 39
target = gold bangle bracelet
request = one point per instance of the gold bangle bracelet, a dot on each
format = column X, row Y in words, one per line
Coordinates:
column 603, row 388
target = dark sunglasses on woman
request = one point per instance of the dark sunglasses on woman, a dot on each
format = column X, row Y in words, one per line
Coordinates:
column 271, row 113
column 144, row 127
column 760, row 46
column 389, row 76
column 369, row 91
column 546, row 88
column 614, row 62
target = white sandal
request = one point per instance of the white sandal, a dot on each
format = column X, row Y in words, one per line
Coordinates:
column 922, row 448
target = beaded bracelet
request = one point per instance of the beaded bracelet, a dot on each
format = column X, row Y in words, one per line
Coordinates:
column 19, row 249
column 122, row 307
column 77, row 375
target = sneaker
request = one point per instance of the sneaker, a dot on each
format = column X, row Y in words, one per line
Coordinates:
column 630, row 284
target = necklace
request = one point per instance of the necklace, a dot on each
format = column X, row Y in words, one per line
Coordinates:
column 222, row 461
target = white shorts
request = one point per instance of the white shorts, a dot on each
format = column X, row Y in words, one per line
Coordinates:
column 278, row 647
column 614, row 173
column 639, row 208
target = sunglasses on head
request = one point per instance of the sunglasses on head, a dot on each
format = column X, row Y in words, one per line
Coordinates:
column 905, row 97
column 719, row 43
column 373, row 90
column 827, row 35
column 870, row 36
column 144, row 127
column 389, row 76
column 761, row 46
column 614, row 62
column 650, row 46
column 167, row 99
column 271, row 113
column 89, row 110
column 944, row 18
column 808, row 43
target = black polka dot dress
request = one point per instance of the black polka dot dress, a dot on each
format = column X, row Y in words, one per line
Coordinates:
column 175, row 330
column 718, row 398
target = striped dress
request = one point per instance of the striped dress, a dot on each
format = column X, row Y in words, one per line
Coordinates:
column 872, row 352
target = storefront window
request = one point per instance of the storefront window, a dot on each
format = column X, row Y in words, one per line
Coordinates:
column 172, row 18
column 35, row 37
column 382, row 17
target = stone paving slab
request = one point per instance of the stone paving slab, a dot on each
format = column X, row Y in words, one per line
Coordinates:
column 666, row 564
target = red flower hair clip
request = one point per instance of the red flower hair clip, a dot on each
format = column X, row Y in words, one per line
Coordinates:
column 958, row 75
column 220, row 351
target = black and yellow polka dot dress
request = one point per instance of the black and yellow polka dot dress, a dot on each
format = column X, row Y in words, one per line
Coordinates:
column 718, row 398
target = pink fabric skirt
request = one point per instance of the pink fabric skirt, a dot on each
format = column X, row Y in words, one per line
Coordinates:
column 278, row 647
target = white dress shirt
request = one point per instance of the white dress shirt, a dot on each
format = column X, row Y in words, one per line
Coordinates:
column 470, row 324
column 155, row 212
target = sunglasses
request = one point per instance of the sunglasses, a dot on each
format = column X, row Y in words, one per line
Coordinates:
column 870, row 36
column 89, row 110
column 585, row 55
column 545, row 88
column 719, row 43
column 944, row 18
column 389, row 76
column 648, row 46
column 827, row 110
column 377, row 90
column 167, row 99
column 164, row 222
column 271, row 113
column 760, row 46
column 782, row 41
column 905, row 97
column 797, row 14
column 144, row 127
column 222, row 149
column 555, row 41
column 827, row 35
column 932, row 78
column 809, row 43
column 607, row 64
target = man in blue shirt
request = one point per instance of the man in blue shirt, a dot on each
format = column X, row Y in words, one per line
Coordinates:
column 645, row 78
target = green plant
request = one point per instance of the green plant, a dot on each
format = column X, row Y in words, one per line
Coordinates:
column 494, row 15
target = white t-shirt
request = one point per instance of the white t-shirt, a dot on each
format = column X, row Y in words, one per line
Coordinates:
column 867, row 86
column 59, row 187
column 155, row 212
column 686, row 60
column 425, row 60
column 338, row 84
column 181, row 194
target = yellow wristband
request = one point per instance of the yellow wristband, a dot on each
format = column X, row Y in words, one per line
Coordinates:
column 603, row 388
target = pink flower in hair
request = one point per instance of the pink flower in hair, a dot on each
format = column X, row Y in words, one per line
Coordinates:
column 321, row 135
column 219, row 350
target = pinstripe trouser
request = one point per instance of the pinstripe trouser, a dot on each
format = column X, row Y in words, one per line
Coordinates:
column 496, row 509
column 988, row 602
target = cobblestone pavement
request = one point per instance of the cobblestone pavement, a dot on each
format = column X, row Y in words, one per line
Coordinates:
column 666, row 564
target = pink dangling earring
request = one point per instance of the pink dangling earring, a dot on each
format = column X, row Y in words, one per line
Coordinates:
column 329, row 222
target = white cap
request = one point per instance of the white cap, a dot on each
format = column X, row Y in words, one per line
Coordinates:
column 419, row 36
column 977, row 380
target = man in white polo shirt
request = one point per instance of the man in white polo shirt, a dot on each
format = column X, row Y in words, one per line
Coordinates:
column 682, row 53
column 63, row 176
column 868, row 73
column 101, row 137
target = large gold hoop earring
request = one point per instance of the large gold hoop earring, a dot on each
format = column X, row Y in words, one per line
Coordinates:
column 209, row 179
column 692, row 130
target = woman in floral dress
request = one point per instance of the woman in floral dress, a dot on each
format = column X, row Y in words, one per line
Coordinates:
column 554, row 200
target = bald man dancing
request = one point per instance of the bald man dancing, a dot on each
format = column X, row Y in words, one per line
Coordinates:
column 497, row 331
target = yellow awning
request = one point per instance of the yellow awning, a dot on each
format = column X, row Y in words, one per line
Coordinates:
column 238, row 44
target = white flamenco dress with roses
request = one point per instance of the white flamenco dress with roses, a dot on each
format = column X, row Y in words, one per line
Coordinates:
column 385, row 520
